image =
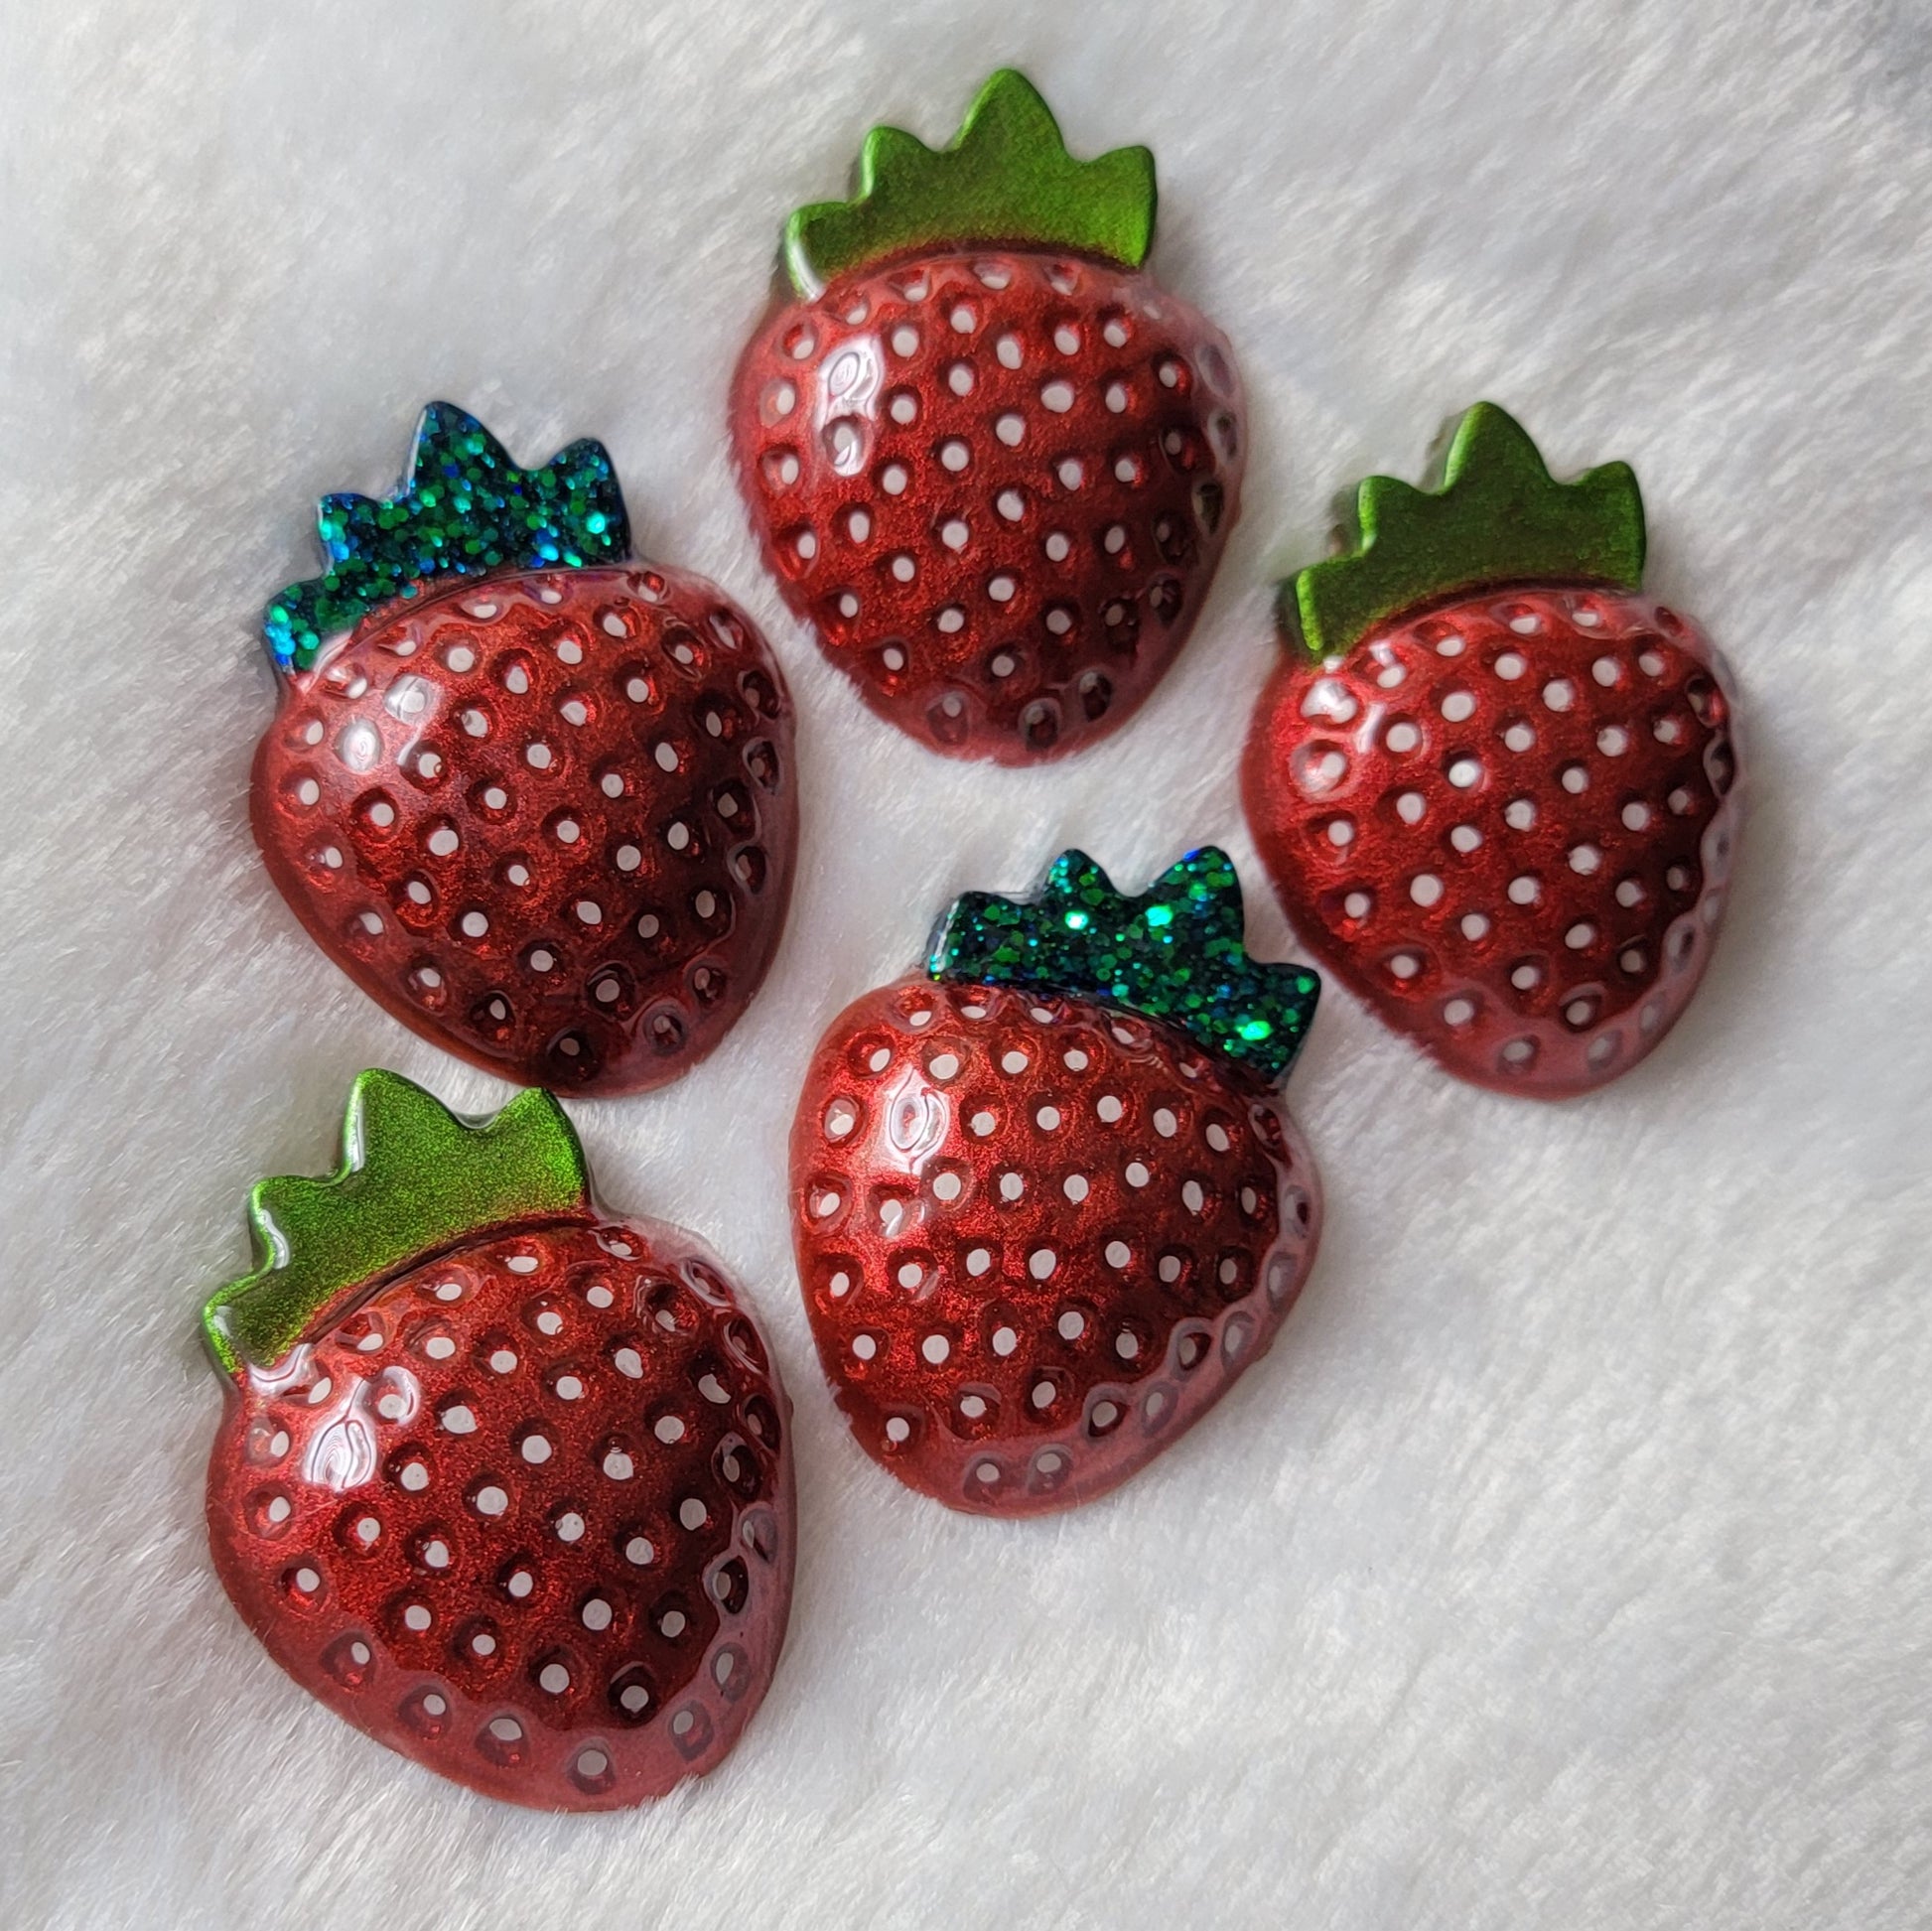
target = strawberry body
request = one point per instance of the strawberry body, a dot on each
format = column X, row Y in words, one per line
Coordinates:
column 1506, row 823
column 547, row 820
column 1038, row 1235
column 522, row 1509
column 997, row 484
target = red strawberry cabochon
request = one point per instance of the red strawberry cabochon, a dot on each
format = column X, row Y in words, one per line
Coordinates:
column 1493, row 783
column 1007, row 179
column 1174, row 955
column 501, row 1481
column 463, row 509
column 1499, row 518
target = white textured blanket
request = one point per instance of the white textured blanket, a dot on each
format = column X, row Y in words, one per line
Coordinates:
column 1567, row 1564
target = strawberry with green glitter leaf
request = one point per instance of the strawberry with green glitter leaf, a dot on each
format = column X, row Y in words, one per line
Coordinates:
column 503, row 1480
column 1047, row 1201
column 990, row 461
column 1494, row 783
column 534, row 798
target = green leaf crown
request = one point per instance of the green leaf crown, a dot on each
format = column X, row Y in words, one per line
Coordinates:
column 463, row 509
column 1174, row 954
column 415, row 1181
column 1499, row 518
column 1008, row 179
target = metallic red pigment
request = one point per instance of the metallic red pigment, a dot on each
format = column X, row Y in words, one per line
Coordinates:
column 546, row 820
column 1506, row 822
column 1038, row 1238
column 997, row 484
column 524, row 1514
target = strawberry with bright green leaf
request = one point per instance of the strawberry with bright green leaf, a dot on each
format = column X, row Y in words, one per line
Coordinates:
column 990, row 461
column 1496, row 785
column 502, row 1479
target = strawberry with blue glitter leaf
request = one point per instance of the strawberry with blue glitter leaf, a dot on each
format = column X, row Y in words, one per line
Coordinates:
column 533, row 797
column 1047, row 1202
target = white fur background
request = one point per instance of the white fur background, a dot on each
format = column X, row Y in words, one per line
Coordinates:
column 1567, row 1564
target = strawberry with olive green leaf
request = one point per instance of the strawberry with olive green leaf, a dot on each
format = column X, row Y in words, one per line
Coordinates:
column 1048, row 1203
column 503, row 1480
column 533, row 798
column 1494, row 783
column 991, row 462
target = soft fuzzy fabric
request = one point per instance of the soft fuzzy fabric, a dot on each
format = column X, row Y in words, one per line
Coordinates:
column 1566, row 1562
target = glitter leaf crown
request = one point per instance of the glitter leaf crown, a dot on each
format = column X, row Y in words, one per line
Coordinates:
column 1174, row 954
column 463, row 509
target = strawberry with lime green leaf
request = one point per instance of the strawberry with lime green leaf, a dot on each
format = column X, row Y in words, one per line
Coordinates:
column 1495, row 782
column 1047, row 1202
column 502, row 1479
column 533, row 798
column 990, row 460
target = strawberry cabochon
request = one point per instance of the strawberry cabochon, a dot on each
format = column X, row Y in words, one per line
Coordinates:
column 1493, row 783
column 504, row 1483
column 1047, row 1203
column 537, row 801
column 990, row 461
column 1006, row 180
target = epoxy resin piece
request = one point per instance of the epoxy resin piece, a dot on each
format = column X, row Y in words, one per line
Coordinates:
column 1047, row 1202
column 991, row 462
column 1494, row 783
column 503, row 1480
column 538, row 801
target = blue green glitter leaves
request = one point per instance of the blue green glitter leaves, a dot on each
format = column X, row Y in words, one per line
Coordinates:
column 1007, row 179
column 1498, row 518
column 415, row 1179
column 463, row 509
column 1174, row 954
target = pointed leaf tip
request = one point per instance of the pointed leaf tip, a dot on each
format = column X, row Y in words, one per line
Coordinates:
column 1006, row 180
column 463, row 509
column 1498, row 518
column 415, row 1178
column 1176, row 954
